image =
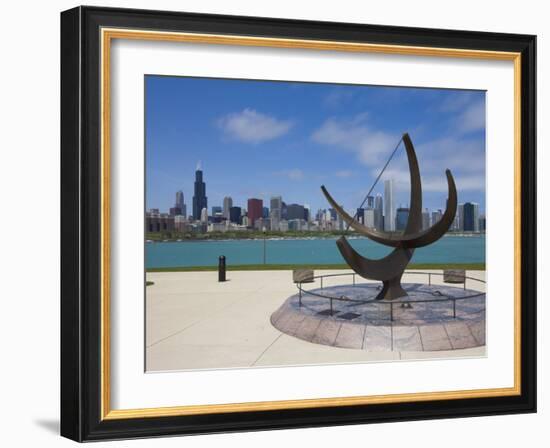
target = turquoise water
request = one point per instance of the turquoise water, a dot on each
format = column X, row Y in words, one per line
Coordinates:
column 450, row 249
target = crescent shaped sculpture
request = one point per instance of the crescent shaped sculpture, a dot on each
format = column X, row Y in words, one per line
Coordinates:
column 390, row 269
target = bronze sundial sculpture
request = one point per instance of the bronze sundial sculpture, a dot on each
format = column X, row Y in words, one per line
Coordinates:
column 390, row 269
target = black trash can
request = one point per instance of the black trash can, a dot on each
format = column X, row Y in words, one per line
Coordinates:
column 221, row 268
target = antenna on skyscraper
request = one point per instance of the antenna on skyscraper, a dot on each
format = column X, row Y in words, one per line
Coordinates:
column 199, row 165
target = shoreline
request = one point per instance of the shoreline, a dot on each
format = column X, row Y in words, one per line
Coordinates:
column 288, row 238
column 283, row 267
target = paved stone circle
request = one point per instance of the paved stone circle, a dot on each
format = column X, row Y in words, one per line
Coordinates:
column 360, row 322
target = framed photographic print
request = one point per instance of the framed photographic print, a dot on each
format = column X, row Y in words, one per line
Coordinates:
column 276, row 224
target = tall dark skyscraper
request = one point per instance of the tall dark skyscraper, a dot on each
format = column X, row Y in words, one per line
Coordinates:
column 401, row 218
column 471, row 217
column 255, row 210
column 235, row 214
column 482, row 223
column 295, row 211
column 284, row 210
column 200, row 200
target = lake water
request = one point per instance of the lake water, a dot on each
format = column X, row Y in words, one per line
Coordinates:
column 450, row 249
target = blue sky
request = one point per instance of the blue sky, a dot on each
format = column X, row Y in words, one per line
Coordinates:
column 262, row 138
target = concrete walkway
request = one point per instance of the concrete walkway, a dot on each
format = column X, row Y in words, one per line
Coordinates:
column 194, row 322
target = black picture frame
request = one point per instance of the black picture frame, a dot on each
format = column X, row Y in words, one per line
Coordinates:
column 81, row 224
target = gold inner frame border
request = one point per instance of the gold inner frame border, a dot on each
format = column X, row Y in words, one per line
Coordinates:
column 107, row 35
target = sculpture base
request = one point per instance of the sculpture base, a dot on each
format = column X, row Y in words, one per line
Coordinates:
column 391, row 290
column 410, row 325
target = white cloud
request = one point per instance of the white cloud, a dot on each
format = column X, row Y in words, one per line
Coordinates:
column 468, row 112
column 344, row 173
column 436, row 182
column 337, row 97
column 464, row 155
column 456, row 102
column 250, row 126
column 455, row 153
column 356, row 136
column 465, row 158
column 463, row 183
column 473, row 118
column 292, row 174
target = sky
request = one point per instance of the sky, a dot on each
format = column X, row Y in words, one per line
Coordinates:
column 262, row 138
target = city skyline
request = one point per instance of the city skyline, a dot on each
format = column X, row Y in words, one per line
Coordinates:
column 260, row 139
column 375, row 212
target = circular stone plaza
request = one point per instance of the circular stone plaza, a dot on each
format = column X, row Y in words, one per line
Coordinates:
column 431, row 317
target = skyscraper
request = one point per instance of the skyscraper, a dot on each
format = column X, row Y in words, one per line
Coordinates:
column 295, row 211
column 482, row 223
column 255, row 210
column 200, row 200
column 307, row 212
column 370, row 201
column 283, row 210
column 320, row 215
column 368, row 218
column 401, row 218
column 339, row 222
column 275, row 212
column 276, row 205
column 204, row 215
column 425, row 219
column 227, row 204
column 235, row 215
column 179, row 206
column 378, row 214
column 360, row 215
column 389, row 209
column 179, row 200
column 471, row 217
column 436, row 216
column 460, row 217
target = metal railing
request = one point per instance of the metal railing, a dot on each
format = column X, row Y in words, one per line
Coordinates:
column 371, row 300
